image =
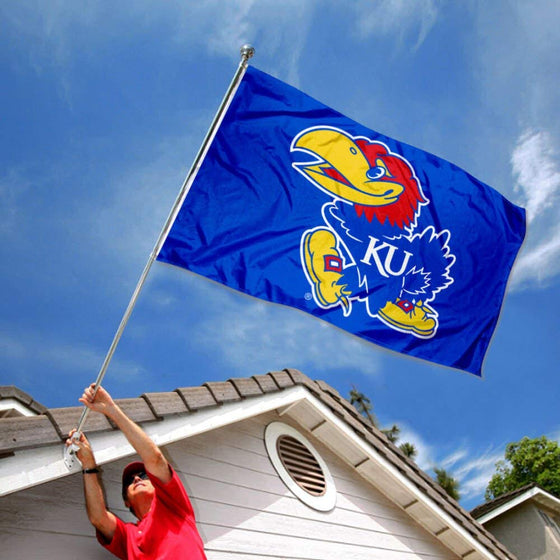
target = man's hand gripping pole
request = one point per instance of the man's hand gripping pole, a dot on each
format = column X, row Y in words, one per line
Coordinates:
column 70, row 451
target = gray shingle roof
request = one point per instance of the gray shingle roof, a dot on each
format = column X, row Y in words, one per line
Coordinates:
column 487, row 507
column 12, row 392
column 53, row 425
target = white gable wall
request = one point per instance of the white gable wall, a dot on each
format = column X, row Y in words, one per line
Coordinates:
column 243, row 508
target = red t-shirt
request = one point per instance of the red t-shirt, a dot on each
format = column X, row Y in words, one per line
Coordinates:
column 167, row 531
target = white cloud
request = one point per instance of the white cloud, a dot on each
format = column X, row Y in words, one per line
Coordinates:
column 426, row 453
column 555, row 435
column 536, row 170
column 514, row 66
column 472, row 469
column 55, row 32
column 453, row 459
column 259, row 336
column 235, row 28
column 280, row 28
column 474, row 474
column 399, row 18
column 55, row 356
column 143, row 194
column 539, row 262
column 536, row 167
column 83, row 358
column 128, row 220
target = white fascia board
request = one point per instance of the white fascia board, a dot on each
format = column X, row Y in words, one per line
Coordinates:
column 417, row 494
column 8, row 404
column 548, row 500
column 545, row 497
column 31, row 467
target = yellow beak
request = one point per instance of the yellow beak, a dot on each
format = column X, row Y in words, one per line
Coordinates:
column 356, row 181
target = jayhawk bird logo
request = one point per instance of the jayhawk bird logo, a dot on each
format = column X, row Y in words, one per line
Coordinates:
column 369, row 249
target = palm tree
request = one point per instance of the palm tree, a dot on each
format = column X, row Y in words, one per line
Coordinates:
column 392, row 433
column 408, row 449
column 448, row 483
column 363, row 405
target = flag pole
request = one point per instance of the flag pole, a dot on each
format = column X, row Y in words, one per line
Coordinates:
column 247, row 51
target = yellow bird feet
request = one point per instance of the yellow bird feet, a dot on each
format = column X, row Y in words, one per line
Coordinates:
column 418, row 318
column 324, row 267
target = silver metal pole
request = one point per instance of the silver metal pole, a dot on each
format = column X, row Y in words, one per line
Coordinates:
column 247, row 51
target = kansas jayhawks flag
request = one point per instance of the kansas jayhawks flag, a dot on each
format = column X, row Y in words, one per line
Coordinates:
column 300, row 205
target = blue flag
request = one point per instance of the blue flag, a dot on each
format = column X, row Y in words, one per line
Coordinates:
column 297, row 204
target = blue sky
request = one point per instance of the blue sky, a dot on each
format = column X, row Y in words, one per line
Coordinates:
column 103, row 109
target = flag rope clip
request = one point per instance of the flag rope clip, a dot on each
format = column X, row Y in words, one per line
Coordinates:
column 70, row 457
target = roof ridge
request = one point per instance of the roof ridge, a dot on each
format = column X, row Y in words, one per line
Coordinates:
column 14, row 392
column 491, row 505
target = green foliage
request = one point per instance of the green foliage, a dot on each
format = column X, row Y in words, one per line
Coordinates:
column 362, row 405
column 526, row 461
column 408, row 449
column 448, row 483
column 392, row 433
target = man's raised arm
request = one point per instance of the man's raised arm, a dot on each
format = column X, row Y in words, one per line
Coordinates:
column 149, row 452
column 102, row 519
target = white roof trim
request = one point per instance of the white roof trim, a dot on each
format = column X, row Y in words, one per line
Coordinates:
column 11, row 403
column 545, row 498
column 36, row 466
column 398, row 476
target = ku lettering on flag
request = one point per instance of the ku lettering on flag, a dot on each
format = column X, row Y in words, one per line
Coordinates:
column 299, row 205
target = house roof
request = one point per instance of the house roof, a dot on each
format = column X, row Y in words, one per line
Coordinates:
column 15, row 402
column 498, row 506
column 315, row 403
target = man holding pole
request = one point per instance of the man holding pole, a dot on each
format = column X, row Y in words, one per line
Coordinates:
column 166, row 527
column 151, row 489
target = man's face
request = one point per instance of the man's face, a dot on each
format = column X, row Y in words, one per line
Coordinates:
column 139, row 489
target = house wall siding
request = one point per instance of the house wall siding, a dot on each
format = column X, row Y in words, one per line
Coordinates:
column 243, row 509
column 243, row 506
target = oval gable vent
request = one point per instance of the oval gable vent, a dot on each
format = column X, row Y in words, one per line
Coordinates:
column 300, row 466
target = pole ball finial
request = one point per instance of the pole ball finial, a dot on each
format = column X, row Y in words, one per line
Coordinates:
column 247, row 51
